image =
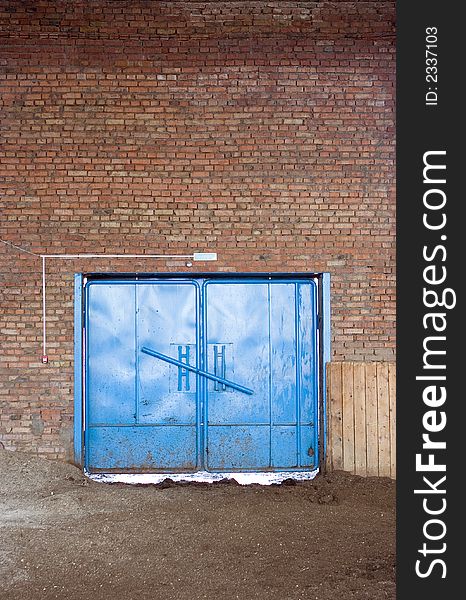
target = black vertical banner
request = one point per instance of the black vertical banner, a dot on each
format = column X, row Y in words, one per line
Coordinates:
column 431, row 119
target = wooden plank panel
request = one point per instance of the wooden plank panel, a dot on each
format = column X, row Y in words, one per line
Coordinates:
column 383, row 395
column 359, row 403
column 336, row 416
column 372, row 432
column 348, row 416
column 392, row 392
column 361, row 435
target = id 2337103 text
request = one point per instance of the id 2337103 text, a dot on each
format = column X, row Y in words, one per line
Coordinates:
column 431, row 66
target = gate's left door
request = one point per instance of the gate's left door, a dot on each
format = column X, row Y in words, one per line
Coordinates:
column 142, row 413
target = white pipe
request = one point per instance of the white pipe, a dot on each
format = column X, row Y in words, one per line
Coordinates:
column 196, row 256
column 201, row 256
column 70, row 256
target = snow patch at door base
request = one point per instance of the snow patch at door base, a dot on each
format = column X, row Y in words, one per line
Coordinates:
column 260, row 478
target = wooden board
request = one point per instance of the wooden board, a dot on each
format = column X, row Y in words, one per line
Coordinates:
column 348, row 417
column 392, row 392
column 329, row 431
column 335, row 397
column 383, row 398
column 372, row 432
column 359, row 401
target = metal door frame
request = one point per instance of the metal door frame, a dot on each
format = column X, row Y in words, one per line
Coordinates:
column 322, row 281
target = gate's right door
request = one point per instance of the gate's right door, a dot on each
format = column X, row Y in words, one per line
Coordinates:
column 262, row 335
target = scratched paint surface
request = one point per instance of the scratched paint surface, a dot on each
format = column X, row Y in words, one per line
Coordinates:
column 145, row 413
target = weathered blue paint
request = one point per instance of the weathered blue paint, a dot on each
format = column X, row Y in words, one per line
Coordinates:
column 270, row 327
column 325, row 354
column 78, row 373
column 135, row 412
column 168, row 362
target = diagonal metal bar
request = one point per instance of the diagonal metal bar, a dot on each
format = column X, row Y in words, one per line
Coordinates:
column 182, row 365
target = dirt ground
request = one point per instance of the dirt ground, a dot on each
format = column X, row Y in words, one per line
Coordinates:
column 63, row 536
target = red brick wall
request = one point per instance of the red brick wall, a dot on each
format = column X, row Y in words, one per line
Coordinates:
column 260, row 130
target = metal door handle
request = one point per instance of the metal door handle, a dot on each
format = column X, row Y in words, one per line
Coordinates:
column 182, row 365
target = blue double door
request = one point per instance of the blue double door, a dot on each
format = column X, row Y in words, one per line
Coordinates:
column 184, row 375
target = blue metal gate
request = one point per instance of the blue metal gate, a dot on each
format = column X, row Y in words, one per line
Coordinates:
column 201, row 374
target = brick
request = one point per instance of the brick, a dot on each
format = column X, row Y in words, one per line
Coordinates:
column 181, row 126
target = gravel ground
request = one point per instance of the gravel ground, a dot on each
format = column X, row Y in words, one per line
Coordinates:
column 63, row 536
